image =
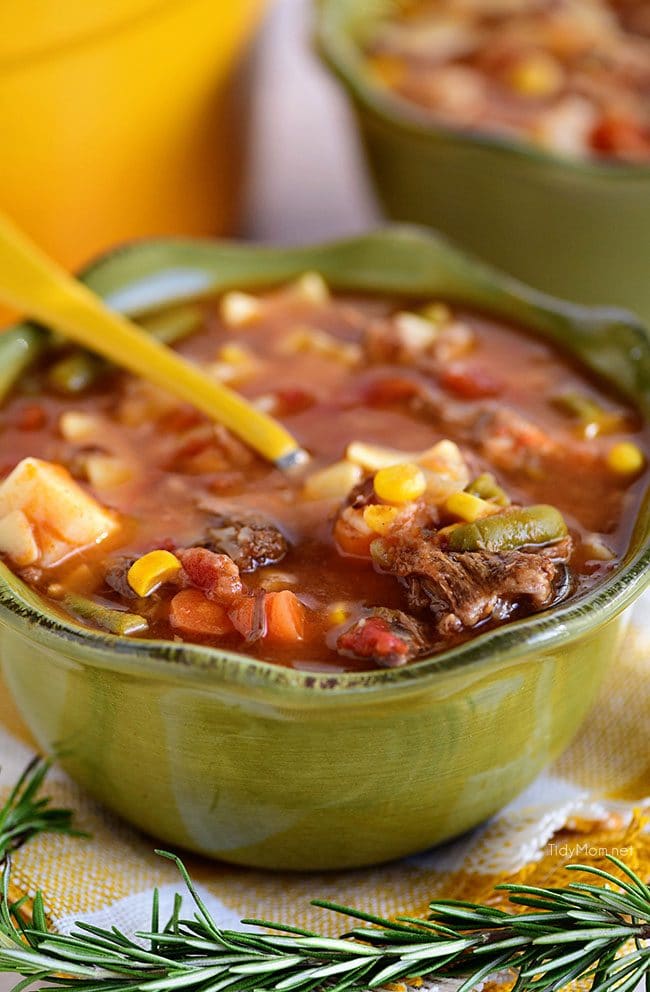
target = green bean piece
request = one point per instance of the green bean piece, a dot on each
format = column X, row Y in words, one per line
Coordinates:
column 76, row 373
column 593, row 418
column 81, row 369
column 486, row 487
column 173, row 325
column 19, row 348
column 114, row 621
column 514, row 528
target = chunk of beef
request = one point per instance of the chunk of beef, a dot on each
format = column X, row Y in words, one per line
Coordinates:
column 362, row 495
column 250, row 541
column 214, row 574
column 463, row 589
column 388, row 637
column 115, row 576
column 511, row 442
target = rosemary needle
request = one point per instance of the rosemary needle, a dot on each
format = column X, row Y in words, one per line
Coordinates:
column 26, row 813
column 597, row 931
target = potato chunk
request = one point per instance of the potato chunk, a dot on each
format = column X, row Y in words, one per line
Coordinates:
column 17, row 539
column 63, row 518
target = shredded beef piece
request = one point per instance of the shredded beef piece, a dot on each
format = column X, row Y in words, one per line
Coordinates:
column 363, row 494
column 115, row 576
column 251, row 542
column 463, row 589
column 390, row 638
column 511, row 442
column 215, row 575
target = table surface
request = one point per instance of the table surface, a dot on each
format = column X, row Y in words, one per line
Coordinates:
column 298, row 190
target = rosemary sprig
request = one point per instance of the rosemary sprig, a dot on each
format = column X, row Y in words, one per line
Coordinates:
column 27, row 813
column 581, row 931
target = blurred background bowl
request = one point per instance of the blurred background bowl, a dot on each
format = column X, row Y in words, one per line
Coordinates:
column 121, row 119
column 576, row 229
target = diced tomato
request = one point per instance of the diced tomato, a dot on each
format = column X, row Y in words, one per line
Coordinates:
column 470, row 383
column 31, row 417
column 622, row 136
column 391, row 389
column 179, row 420
column 373, row 639
column 216, row 575
column 193, row 613
column 284, row 617
column 292, row 401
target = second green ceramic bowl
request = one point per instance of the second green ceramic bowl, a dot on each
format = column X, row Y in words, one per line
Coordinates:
column 579, row 230
column 260, row 765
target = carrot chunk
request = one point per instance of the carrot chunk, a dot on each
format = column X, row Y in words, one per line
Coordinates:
column 352, row 534
column 284, row 617
column 193, row 613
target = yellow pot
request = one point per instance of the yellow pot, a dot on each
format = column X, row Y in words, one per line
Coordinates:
column 119, row 120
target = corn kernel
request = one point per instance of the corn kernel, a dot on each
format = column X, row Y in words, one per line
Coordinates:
column 469, row 507
column 223, row 371
column 234, row 354
column 595, row 548
column 150, row 571
column 444, row 456
column 339, row 613
column 625, row 458
column 538, row 75
column 400, row 483
column 437, row 313
column 77, row 426
column 372, row 457
column 333, row 482
column 105, row 471
column 234, row 364
column 311, row 340
column 415, row 333
column 312, row 287
column 238, row 309
column 380, row 519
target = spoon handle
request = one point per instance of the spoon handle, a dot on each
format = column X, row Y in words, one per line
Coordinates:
column 35, row 285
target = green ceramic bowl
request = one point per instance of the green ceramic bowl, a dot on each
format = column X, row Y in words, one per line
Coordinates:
column 260, row 765
column 580, row 230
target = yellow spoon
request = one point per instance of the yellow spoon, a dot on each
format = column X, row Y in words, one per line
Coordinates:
column 35, row 285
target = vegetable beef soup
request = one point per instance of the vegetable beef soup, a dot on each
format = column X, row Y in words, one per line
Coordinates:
column 463, row 474
column 571, row 76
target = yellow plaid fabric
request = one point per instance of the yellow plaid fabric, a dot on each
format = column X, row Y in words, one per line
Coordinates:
column 591, row 801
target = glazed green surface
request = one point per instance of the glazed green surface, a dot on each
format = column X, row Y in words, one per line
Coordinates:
column 281, row 783
column 261, row 765
column 577, row 229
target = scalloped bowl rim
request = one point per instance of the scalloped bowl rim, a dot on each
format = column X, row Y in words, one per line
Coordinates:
column 399, row 113
column 27, row 611
column 548, row 630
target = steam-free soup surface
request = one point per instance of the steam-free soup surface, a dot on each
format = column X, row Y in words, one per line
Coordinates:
column 463, row 474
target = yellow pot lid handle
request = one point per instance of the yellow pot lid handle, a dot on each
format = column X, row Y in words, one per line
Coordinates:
column 35, row 285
